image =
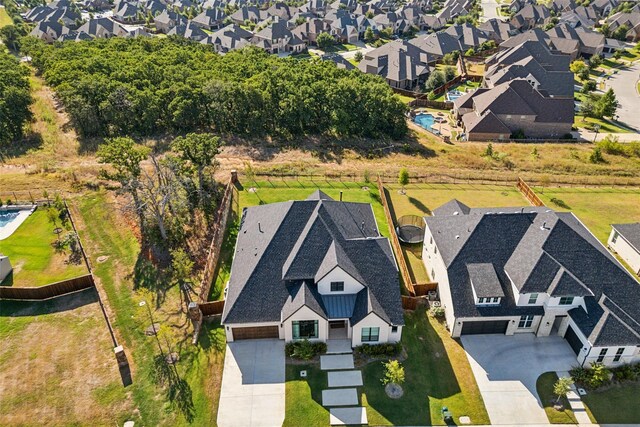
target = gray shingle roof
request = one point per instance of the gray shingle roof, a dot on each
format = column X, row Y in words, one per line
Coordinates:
column 281, row 245
column 630, row 233
column 484, row 280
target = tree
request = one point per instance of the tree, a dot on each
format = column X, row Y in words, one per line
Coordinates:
column 198, row 151
column 435, row 80
column 325, row 40
column 358, row 56
column 595, row 61
column 596, row 155
column 403, row 178
column 124, row 156
column 588, row 107
column 580, row 69
column 393, row 373
column 607, row 104
column 562, row 387
column 588, row 86
column 449, row 73
column 15, row 98
column 621, row 32
column 369, row 36
column 488, row 152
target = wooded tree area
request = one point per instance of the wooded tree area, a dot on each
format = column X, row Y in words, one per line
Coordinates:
column 141, row 86
column 15, row 98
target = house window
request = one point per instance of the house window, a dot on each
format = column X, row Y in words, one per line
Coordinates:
column 337, row 286
column 394, row 329
column 615, row 237
column 433, row 274
column 566, row 300
column 496, row 300
column 370, row 334
column 305, row 329
column 525, row 321
column 508, row 116
column 533, row 298
column 601, row 356
column 618, row 355
column 480, row 300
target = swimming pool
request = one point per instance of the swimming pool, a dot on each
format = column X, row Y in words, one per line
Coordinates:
column 12, row 217
column 452, row 95
column 425, row 121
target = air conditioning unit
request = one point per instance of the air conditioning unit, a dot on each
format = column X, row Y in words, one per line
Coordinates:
column 433, row 295
column 436, row 304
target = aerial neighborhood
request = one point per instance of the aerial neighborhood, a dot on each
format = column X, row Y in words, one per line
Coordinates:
column 260, row 213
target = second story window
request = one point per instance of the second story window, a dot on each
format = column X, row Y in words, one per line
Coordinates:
column 533, row 298
column 566, row 300
column 337, row 286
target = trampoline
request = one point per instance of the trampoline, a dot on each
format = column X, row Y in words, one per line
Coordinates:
column 410, row 229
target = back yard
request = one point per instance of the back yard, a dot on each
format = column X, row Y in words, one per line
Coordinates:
column 421, row 199
column 34, row 259
column 57, row 364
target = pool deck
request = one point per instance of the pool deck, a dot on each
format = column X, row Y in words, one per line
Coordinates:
column 8, row 229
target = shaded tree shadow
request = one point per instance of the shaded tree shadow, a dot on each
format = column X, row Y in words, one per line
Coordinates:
column 8, row 281
column 9, row 308
column 32, row 141
column 149, row 276
column 421, row 206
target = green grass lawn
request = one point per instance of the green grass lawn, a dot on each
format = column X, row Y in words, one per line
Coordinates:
column 405, row 99
column 341, row 47
column 5, row 19
column 125, row 286
column 607, row 126
column 597, row 208
column 35, row 262
column 421, row 199
column 462, row 87
column 303, row 403
column 617, row 405
column 437, row 374
column 544, row 387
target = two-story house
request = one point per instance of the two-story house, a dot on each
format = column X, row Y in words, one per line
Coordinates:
column 313, row 269
column 532, row 270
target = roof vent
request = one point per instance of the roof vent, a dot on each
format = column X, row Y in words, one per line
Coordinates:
column 544, row 226
column 259, row 227
column 456, row 213
column 457, row 236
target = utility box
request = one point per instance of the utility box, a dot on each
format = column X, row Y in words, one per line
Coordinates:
column 5, row 267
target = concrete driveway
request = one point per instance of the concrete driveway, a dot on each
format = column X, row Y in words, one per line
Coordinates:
column 252, row 392
column 490, row 10
column 624, row 85
column 506, row 369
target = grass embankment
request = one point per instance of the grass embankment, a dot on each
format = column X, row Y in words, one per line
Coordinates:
column 126, row 281
column 437, row 374
column 421, row 199
column 5, row 19
column 57, row 366
column 606, row 126
column 544, row 387
column 35, row 261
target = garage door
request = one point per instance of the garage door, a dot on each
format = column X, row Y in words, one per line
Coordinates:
column 485, row 327
column 255, row 332
column 573, row 340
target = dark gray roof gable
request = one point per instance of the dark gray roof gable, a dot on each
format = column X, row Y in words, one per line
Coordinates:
column 484, row 280
column 630, row 233
column 299, row 234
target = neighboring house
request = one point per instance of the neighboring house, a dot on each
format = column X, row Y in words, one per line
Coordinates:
column 532, row 270
column 314, row 269
column 437, row 44
column 277, row 38
column 511, row 107
column 625, row 241
column 310, row 30
column 49, row 31
column 467, row 35
column 533, row 61
column 228, row 38
column 531, row 16
column 498, row 30
column 189, row 30
column 166, row 20
column 402, row 64
column 103, row 28
column 567, row 46
column 210, row 19
column 631, row 21
column 128, row 13
column 589, row 42
column 248, row 14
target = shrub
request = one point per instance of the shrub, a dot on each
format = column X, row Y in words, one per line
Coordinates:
column 625, row 372
column 599, row 375
column 596, row 156
column 559, row 202
column 393, row 372
column 437, row 312
column 579, row 374
column 387, row 349
column 304, row 350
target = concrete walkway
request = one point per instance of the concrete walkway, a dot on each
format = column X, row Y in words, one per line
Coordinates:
column 342, row 402
column 589, row 136
column 576, row 402
column 252, row 392
column 506, row 369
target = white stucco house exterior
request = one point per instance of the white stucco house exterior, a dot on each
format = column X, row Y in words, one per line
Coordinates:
column 532, row 270
column 625, row 241
column 313, row 269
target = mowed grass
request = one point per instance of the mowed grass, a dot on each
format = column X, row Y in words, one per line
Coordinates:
column 57, row 366
column 544, row 387
column 303, row 403
column 422, row 199
column 617, row 405
column 199, row 366
column 35, row 261
column 437, row 374
column 5, row 19
column 597, row 208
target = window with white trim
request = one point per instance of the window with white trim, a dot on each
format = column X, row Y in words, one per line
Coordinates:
column 601, row 356
column 337, row 286
column 305, row 329
column 525, row 321
column 618, row 355
column 566, row 300
column 615, row 236
column 533, row 298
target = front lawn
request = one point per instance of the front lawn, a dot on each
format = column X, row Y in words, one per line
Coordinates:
column 617, row 405
column 437, row 374
column 606, row 126
column 303, row 403
column 341, row 47
column 544, row 387
column 35, row 261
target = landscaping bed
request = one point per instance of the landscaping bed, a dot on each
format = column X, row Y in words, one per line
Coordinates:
column 558, row 411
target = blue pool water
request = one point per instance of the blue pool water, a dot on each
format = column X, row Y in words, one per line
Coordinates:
column 424, row 120
column 453, row 95
column 7, row 217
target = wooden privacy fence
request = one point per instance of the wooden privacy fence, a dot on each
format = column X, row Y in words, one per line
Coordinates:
column 211, row 308
column 410, row 303
column 48, row 291
column 425, row 288
column 528, row 193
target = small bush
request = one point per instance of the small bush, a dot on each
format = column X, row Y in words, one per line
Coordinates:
column 304, row 350
column 559, row 202
column 393, row 372
column 387, row 349
column 437, row 312
column 596, row 156
column 599, row 375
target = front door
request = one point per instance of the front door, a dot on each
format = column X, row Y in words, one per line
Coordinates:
column 338, row 329
column 556, row 325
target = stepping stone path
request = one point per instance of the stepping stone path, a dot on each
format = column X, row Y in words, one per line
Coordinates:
column 575, row 402
column 342, row 397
